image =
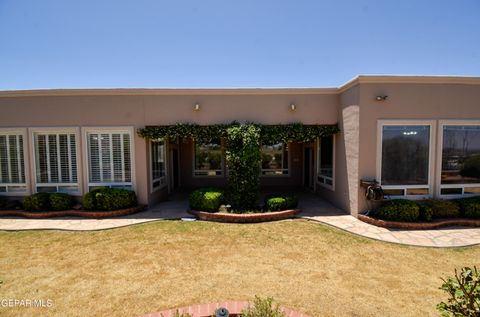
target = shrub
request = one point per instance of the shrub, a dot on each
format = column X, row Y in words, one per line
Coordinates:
column 275, row 203
column 243, row 162
column 262, row 308
column 425, row 211
column 60, row 201
column 109, row 199
column 3, row 203
column 464, row 291
column 469, row 207
column 37, row 202
column 399, row 210
column 443, row 208
column 206, row 199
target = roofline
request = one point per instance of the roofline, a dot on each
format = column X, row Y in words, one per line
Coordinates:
column 361, row 79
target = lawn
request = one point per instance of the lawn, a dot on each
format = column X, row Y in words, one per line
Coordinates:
column 304, row 265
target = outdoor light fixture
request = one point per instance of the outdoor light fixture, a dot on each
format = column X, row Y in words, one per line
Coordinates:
column 381, row 98
column 293, row 107
column 196, row 107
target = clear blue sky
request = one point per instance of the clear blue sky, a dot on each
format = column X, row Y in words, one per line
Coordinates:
column 226, row 43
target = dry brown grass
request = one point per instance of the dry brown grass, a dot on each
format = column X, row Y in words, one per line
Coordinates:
column 306, row 266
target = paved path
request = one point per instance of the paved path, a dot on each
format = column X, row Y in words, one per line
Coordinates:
column 314, row 208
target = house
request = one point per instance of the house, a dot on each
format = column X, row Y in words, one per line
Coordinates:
column 419, row 136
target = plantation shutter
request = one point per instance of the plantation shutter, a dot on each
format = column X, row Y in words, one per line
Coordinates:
column 109, row 158
column 12, row 163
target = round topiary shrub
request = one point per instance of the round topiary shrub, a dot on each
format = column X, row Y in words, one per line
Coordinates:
column 60, row 201
column 399, row 210
column 37, row 202
column 107, row 199
column 206, row 199
column 275, row 204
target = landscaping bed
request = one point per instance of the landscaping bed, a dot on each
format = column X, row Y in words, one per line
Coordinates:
column 72, row 213
column 436, row 223
column 245, row 217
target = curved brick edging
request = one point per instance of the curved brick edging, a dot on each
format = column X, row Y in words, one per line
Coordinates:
column 72, row 213
column 244, row 218
column 438, row 223
column 207, row 310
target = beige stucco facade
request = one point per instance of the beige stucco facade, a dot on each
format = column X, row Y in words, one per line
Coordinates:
column 353, row 107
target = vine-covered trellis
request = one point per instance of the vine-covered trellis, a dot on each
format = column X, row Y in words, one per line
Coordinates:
column 269, row 134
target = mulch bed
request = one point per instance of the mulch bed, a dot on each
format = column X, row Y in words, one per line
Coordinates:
column 72, row 213
column 244, row 218
column 436, row 223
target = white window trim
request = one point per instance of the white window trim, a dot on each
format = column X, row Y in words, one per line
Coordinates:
column 26, row 162
column 194, row 170
column 165, row 177
column 431, row 158
column 325, row 185
column 277, row 169
column 441, row 124
column 56, row 130
column 103, row 129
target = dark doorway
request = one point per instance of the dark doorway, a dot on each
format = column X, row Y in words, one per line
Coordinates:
column 308, row 167
column 174, row 169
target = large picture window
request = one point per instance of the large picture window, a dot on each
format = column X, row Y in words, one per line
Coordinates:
column 55, row 161
column 405, row 159
column 157, row 150
column 12, row 163
column 109, row 159
column 274, row 159
column 325, row 161
column 460, row 171
column 208, row 159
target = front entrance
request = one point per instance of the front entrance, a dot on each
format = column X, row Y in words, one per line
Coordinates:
column 308, row 167
column 174, row 179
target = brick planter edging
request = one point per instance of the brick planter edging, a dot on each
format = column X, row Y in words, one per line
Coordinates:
column 207, row 310
column 72, row 213
column 244, row 218
column 437, row 223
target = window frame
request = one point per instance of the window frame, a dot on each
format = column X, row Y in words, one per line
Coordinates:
column 431, row 158
column 289, row 163
column 222, row 164
column 26, row 162
column 102, row 129
column 441, row 125
column 165, row 177
column 56, row 130
column 325, row 185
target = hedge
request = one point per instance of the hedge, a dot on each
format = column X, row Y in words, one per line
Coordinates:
column 206, row 199
column 275, row 202
column 108, row 199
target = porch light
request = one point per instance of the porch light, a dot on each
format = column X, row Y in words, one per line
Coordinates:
column 196, row 107
column 293, row 107
column 381, row 98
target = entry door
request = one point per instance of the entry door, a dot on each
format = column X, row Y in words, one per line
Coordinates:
column 174, row 178
column 308, row 167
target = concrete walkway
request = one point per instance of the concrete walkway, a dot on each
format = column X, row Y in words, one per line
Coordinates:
column 313, row 208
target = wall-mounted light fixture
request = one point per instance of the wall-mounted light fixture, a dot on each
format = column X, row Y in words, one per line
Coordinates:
column 381, row 98
column 293, row 107
column 196, row 107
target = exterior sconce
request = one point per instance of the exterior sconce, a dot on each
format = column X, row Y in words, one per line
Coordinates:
column 293, row 107
column 196, row 107
column 381, row 98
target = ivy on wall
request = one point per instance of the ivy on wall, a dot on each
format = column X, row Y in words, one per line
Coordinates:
column 268, row 134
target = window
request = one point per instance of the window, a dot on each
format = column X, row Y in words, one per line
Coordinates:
column 460, row 166
column 158, row 163
column 208, row 159
column 274, row 159
column 109, row 159
column 326, row 150
column 12, row 163
column 55, row 161
column 405, row 159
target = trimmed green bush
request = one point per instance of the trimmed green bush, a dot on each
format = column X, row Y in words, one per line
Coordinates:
column 443, row 208
column 107, row 199
column 3, row 203
column 37, row 202
column 206, row 199
column 469, row 207
column 426, row 212
column 60, row 201
column 399, row 210
column 276, row 202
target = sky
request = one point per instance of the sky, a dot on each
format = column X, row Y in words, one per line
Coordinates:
column 226, row 43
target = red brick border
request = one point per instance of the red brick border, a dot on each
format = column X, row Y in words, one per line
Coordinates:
column 208, row 310
column 244, row 218
column 72, row 213
column 437, row 223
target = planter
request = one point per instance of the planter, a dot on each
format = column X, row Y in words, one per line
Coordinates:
column 436, row 223
column 72, row 213
column 244, row 218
